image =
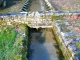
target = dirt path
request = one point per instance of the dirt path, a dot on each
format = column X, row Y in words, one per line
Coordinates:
column 41, row 46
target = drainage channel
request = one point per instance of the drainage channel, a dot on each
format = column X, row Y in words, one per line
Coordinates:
column 41, row 45
column 41, row 40
column 35, row 5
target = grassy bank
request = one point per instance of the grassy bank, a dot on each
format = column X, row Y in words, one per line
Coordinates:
column 13, row 42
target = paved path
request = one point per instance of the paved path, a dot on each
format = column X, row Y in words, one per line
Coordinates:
column 42, row 50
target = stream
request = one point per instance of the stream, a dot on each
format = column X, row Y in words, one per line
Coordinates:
column 41, row 40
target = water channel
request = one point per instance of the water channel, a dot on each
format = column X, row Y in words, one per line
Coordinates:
column 38, row 5
column 41, row 40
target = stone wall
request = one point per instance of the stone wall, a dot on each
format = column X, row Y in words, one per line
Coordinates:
column 10, row 17
column 32, row 19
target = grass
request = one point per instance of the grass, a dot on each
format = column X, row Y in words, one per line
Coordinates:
column 13, row 46
column 78, row 45
column 7, row 38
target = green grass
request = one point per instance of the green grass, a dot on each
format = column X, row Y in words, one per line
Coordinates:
column 13, row 46
column 7, row 38
column 78, row 45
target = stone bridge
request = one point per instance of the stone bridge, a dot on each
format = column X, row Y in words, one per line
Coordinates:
column 32, row 19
